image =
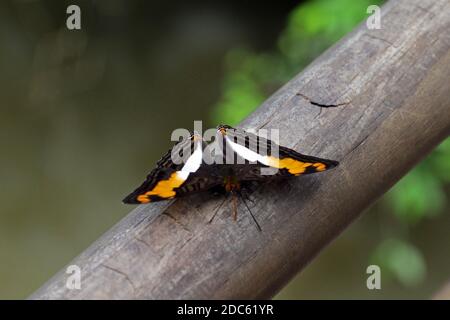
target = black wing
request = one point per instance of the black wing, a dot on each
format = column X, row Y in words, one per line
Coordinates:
column 173, row 178
column 253, row 148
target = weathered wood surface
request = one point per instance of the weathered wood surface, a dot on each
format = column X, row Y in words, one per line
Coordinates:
column 398, row 81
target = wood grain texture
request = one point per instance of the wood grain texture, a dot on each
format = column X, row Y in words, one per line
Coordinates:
column 398, row 82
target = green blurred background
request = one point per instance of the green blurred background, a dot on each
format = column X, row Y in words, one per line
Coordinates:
column 85, row 114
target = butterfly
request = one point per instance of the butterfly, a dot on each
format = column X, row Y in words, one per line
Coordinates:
column 237, row 162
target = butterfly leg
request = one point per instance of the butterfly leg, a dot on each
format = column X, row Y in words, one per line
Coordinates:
column 250, row 211
column 246, row 196
column 217, row 210
column 234, row 196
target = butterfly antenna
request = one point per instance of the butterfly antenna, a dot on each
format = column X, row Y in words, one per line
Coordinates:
column 251, row 213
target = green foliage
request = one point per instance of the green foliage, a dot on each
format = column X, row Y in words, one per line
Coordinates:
column 439, row 162
column 421, row 193
column 315, row 25
column 418, row 195
column 312, row 27
column 400, row 260
column 240, row 88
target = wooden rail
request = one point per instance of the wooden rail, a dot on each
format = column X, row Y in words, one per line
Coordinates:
column 397, row 80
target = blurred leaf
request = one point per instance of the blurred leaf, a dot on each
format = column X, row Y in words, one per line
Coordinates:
column 440, row 161
column 241, row 92
column 400, row 260
column 421, row 193
column 315, row 25
column 417, row 195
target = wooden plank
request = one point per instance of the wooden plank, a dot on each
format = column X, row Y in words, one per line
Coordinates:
column 397, row 82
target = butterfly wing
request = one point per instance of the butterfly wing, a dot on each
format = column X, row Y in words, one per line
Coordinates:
column 258, row 151
column 171, row 179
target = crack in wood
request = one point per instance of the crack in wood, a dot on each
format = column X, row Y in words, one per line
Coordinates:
column 177, row 221
column 121, row 273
